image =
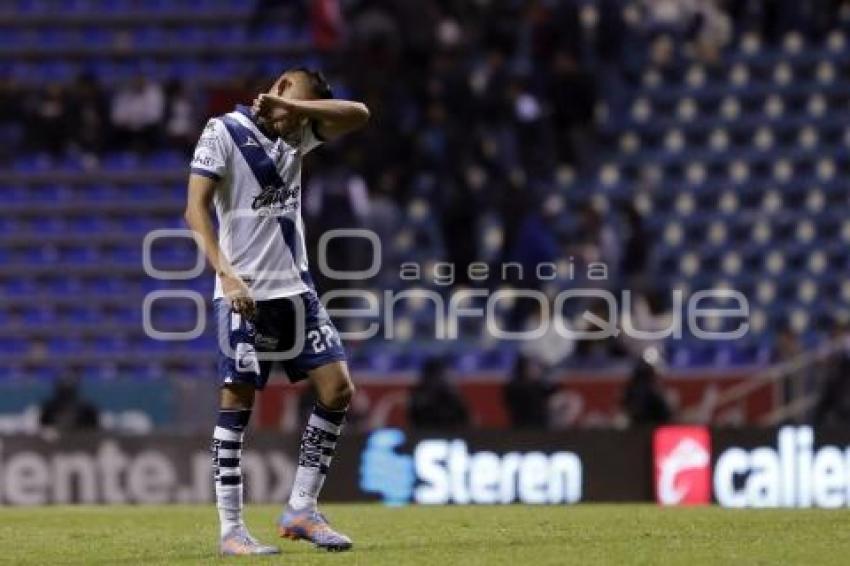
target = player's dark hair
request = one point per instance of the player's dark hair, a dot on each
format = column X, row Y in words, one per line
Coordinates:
column 318, row 83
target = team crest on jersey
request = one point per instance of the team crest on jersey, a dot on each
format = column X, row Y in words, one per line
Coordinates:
column 273, row 198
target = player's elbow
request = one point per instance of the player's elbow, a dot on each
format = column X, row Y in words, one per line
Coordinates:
column 362, row 115
column 190, row 216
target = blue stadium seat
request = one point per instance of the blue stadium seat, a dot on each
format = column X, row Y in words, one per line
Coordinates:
column 124, row 161
column 10, row 345
column 149, row 36
column 193, row 35
column 33, row 163
column 166, row 159
column 29, row 6
column 80, row 314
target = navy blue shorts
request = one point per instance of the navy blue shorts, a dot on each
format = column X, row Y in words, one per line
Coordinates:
column 295, row 331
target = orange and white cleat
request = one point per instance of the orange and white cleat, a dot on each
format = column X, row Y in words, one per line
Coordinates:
column 239, row 542
column 312, row 526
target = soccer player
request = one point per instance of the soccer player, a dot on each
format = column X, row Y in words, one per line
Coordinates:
column 248, row 164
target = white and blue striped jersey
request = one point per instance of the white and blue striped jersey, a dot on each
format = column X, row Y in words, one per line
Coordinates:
column 257, row 201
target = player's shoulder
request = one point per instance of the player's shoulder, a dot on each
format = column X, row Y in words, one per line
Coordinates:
column 215, row 124
column 215, row 129
column 218, row 124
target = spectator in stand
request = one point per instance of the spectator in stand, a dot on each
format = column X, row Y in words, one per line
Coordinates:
column 712, row 31
column 702, row 23
column 338, row 199
column 50, row 120
column 12, row 107
column 637, row 246
column 384, row 217
column 649, row 312
column 90, row 119
column 787, row 345
column 572, row 93
column 833, row 407
column 533, row 134
column 534, row 244
column 643, row 400
column 459, row 217
column 66, row 411
column 674, row 16
column 597, row 241
column 434, row 403
column 527, row 394
column 138, row 110
column 551, row 349
column 595, row 319
column 180, row 119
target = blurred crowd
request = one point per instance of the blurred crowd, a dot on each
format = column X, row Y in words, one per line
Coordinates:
column 531, row 396
column 456, row 84
column 479, row 107
column 83, row 117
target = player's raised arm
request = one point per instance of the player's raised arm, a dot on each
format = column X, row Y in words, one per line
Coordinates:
column 333, row 117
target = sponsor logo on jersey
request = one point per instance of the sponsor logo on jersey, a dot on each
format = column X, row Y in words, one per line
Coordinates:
column 203, row 160
column 278, row 198
column 266, row 342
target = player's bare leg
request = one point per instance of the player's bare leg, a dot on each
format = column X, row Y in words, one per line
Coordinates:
column 237, row 401
column 301, row 518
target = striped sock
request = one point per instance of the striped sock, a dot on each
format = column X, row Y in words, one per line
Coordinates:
column 227, row 451
column 318, row 444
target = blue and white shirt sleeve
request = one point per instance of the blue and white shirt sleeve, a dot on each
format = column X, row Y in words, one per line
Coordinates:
column 211, row 151
column 310, row 138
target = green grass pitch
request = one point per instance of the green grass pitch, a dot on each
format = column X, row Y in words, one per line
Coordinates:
column 441, row 536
